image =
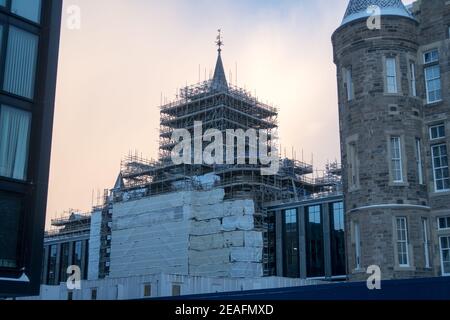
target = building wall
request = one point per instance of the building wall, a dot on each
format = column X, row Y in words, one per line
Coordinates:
column 186, row 233
column 375, row 203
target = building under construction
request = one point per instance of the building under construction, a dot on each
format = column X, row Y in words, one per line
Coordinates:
column 220, row 219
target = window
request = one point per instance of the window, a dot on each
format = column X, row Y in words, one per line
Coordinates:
column 412, row 70
column 445, row 255
column 437, row 132
column 29, row 9
column 291, row 245
column 337, row 239
column 440, row 168
column 444, row 223
column 94, row 294
column 391, row 75
column 402, row 242
column 419, row 161
column 10, row 214
column 21, row 59
column 357, row 237
column 348, row 81
column 176, row 290
column 315, row 258
column 353, row 165
column 426, row 244
column 51, row 276
column 70, row 295
column 147, row 290
column 76, row 254
column 14, row 140
column 433, row 83
column 431, row 56
column 396, row 159
column 64, row 262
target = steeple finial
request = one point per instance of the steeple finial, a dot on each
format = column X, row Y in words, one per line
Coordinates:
column 219, row 81
column 219, row 41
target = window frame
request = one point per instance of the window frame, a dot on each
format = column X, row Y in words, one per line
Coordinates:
column 426, row 242
column 393, row 76
column 447, row 225
column 439, row 125
column 402, row 241
column 396, row 160
column 413, row 78
column 443, row 273
column 419, row 161
column 433, row 157
column 427, row 81
column 425, row 62
column 357, row 238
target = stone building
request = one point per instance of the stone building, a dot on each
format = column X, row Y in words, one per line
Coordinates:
column 393, row 81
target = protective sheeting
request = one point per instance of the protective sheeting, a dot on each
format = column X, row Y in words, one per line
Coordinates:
column 187, row 233
column 94, row 245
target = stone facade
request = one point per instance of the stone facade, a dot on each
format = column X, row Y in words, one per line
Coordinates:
column 385, row 142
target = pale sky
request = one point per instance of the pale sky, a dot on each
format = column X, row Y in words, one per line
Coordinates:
column 113, row 70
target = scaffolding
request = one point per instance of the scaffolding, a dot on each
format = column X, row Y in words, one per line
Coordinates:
column 71, row 223
column 223, row 108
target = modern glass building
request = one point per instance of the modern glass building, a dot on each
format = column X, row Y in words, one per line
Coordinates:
column 29, row 42
column 310, row 238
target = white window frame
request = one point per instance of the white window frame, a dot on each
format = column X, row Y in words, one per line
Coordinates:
column 426, row 243
column 391, row 74
column 431, row 61
column 427, row 81
column 413, row 80
column 438, row 168
column 396, row 159
column 437, row 126
column 419, row 160
column 404, row 241
column 439, row 224
column 444, row 274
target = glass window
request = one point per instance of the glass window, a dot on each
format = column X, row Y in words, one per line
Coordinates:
column 444, row 223
column 3, row 3
column 445, row 255
column 440, row 167
column 14, row 141
column 51, row 272
column 391, row 75
column 402, row 242
column 431, row 56
column 10, row 214
column 21, row 59
column 426, row 241
column 419, row 160
column 337, row 238
column 437, row 131
column 76, row 254
column 291, row 245
column 348, row 80
column 64, row 263
column 314, row 242
column 29, row 9
column 396, row 159
column 433, row 83
column 412, row 70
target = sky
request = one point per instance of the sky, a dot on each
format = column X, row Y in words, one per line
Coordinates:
column 128, row 53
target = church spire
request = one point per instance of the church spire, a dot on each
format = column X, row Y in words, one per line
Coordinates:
column 219, row 81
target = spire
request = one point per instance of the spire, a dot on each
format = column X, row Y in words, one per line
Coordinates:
column 358, row 9
column 219, row 81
